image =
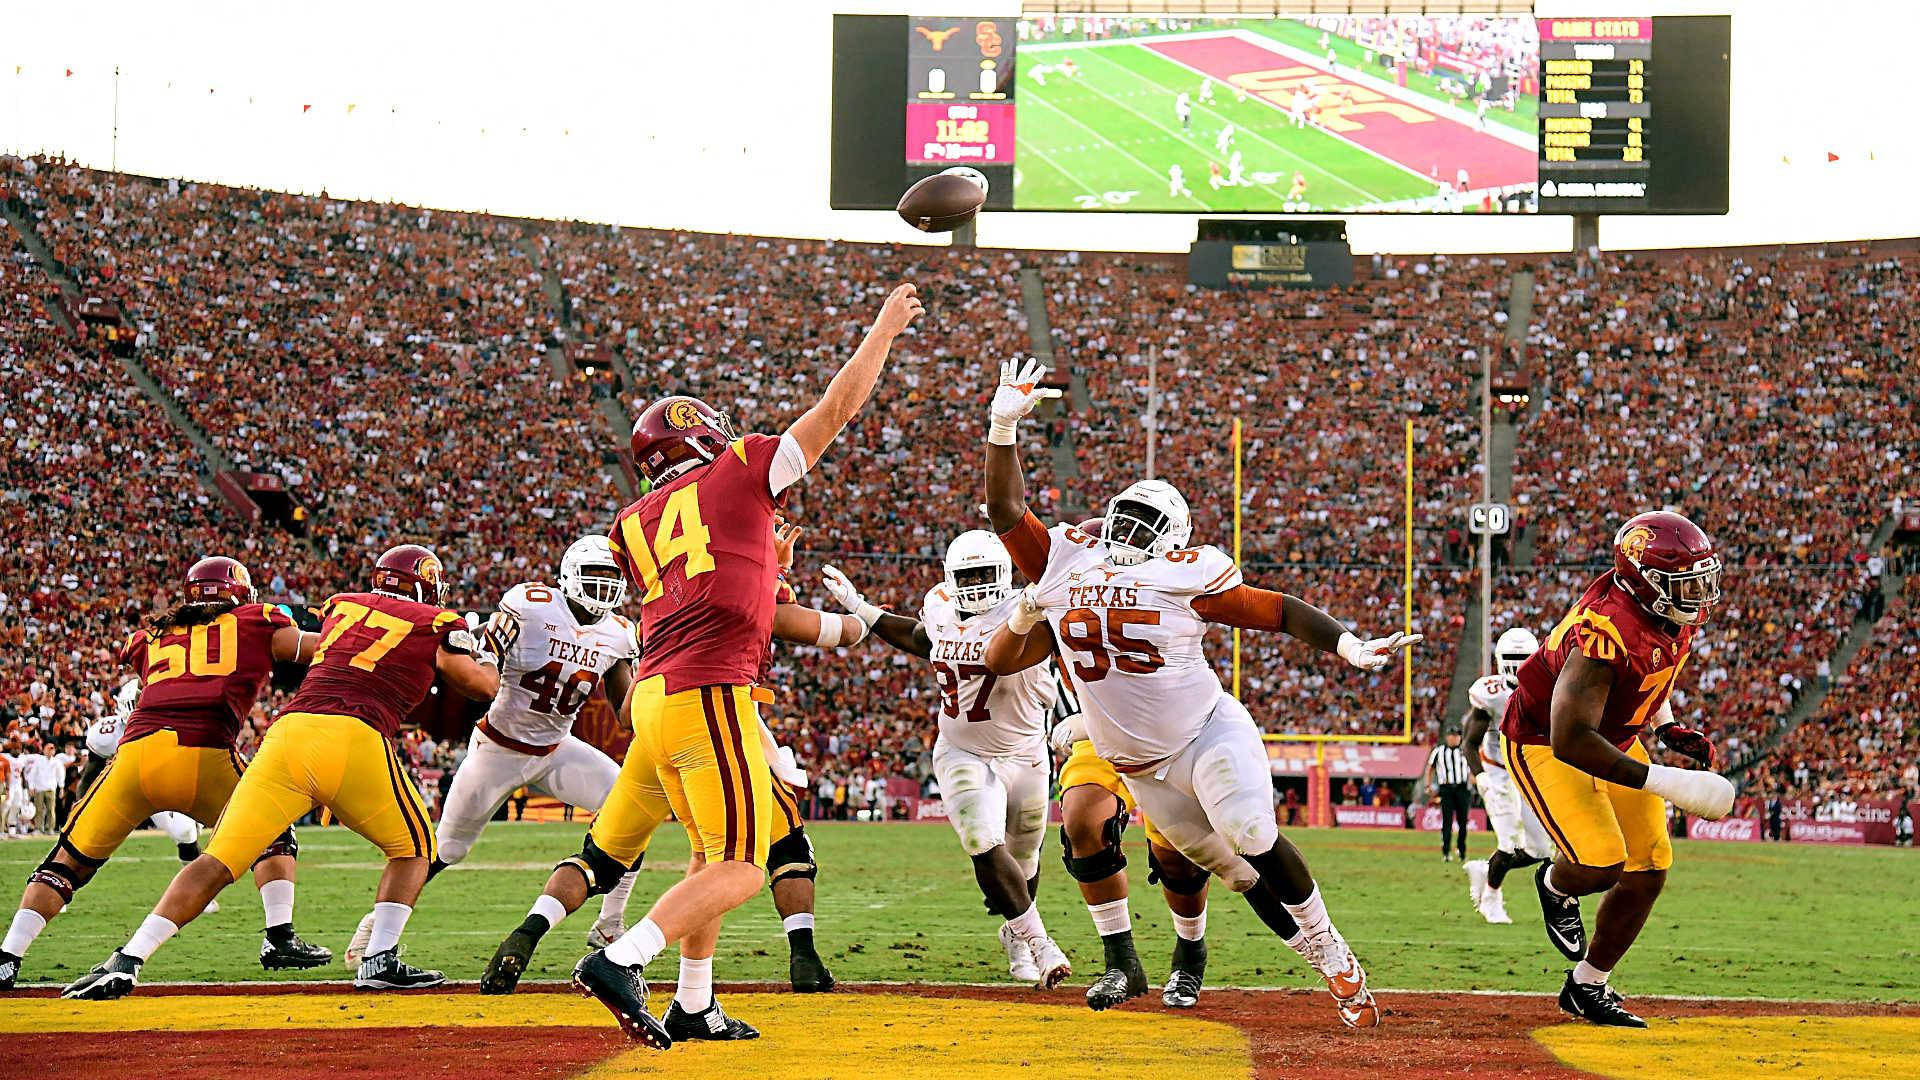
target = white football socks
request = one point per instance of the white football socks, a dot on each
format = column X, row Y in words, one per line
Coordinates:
column 388, row 920
column 152, row 934
column 1111, row 917
column 799, row 920
column 1191, row 928
column 276, row 897
column 27, row 924
column 549, row 909
column 1027, row 925
column 638, row 946
column 695, row 990
column 1584, row 972
column 1311, row 914
column 613, row 907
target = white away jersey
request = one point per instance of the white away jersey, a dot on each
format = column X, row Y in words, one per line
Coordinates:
column 103, row 735
column 981, row 713
column 1133, row 643
column 550, row 665
column 1491, row 693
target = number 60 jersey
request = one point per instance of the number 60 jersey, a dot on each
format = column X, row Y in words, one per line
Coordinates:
column 983, row 714
column 1133, row 642
column 550, row 664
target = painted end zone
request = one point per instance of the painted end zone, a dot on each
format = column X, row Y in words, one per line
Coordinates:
column 1419, row 140
column 1749, row 1046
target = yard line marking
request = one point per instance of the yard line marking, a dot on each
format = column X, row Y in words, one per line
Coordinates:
column 1158, row 176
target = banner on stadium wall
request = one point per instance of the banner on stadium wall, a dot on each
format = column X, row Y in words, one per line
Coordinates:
column 1349, row 759
column 1873, row 819
column 1725, row 829
column 919, row 809
column 1830, row 832
column 1425, row 819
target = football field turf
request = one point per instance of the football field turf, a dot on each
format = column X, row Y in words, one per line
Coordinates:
column 898, row 903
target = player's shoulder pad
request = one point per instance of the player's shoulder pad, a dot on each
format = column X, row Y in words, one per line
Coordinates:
column 937, row 605
column 629, row 633
column 444, row 621
column 1480, row 693
column 1196, row 571
column 520, row 599
column 273, row 615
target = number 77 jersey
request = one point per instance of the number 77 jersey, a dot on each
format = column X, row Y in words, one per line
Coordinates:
column 979, row 712
column 1133, row 643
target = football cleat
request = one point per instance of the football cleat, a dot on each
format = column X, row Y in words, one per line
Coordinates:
column 1050, row 965
column 293, row 953
column 356, row 949
column 605, row 932
column 1117, row 985
column 113, row 979
column 1020, row 965
column 9, row 970
column 1493, row 908
column 1330, row 955
column 710, row 1023
column 623, row 990
column 1182, row 990
column 212, row 908
column 509, row 962
column 1476, row 879
column 1562, row 916
column 386, row 971
column 809, row 973
column 1596, row 1003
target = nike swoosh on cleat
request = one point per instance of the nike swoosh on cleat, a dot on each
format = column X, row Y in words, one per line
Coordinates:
column 1562, row 939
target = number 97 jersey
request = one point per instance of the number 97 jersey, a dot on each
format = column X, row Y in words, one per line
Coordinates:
column 550, row 664
column 1133, row 643
column 983, row 714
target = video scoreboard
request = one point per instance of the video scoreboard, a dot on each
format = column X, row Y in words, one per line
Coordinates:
column 960, row 91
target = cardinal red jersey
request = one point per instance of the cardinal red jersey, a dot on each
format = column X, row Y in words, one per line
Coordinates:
column 201, row 681
column 699, row 552
column 1609, row 627
column 376, row 658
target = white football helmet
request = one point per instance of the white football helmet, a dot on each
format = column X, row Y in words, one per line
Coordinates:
column 979, row 571
column 1513, row 648
column 1146, row 520
column 589, row 576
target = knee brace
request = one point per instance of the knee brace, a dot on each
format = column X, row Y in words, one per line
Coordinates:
column 284, row 844
column 791, row 858
column 1102, row 864
column 1185, row 880
column 65, row 880
column 601, row 870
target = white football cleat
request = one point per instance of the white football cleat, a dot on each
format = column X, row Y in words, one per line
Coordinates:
column 1051, row 966
column 1476, row 879
column 212, row 908
column 605, row 932
column 1493, row 908
column 1020, row 965
column 356, row 949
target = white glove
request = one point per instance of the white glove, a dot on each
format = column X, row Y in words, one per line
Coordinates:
column 849, row 597
column 1373, row 653
column 780, row 760
column 1019, row 392
column 1025, row 613
column 463, row 641
column 1700, row 793
column 1066, row 733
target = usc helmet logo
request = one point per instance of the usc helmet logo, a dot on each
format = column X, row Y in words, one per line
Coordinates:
column 429, row 569
column 683, row 414
column 1633, row 543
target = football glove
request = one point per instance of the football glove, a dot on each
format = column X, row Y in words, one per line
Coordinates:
column 1019, row 391
column 1025, row 613
column 847, row 596
column 1692, row 742
column 1067, row 732
column 1374, row 653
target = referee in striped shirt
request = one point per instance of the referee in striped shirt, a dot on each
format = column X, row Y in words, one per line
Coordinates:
column 1449, row 779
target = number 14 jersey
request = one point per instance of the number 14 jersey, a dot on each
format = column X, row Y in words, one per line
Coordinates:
column 983, row 714
column 1133, row 643
column 550, row 664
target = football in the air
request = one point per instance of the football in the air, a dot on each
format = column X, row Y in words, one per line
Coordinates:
column 943, row 202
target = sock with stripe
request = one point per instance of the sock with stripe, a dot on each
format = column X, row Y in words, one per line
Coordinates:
column 799, row 928
column 545, row 915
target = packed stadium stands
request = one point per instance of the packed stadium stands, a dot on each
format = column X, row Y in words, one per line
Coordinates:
column 408, row 374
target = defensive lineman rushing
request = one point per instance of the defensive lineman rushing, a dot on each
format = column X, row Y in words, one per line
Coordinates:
column 991, row 753
column 1131, row 610
column 557, row 647
column 1519, row 839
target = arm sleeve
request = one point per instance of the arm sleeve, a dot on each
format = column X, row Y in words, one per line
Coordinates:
column 1029, row 545
column 788, row 466
column 1245, row 606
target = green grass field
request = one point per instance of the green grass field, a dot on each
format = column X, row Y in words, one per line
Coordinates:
column 897, row 902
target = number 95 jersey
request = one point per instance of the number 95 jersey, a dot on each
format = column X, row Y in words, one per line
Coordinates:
column 1133, row 643
column 550, row 664
column 983, row 714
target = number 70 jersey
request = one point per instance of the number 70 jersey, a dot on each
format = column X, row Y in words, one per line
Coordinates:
column 1133, row 643
column 550, row 664
column 983, row 714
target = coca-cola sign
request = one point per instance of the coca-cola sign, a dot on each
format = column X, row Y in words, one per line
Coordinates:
column 1725, row 829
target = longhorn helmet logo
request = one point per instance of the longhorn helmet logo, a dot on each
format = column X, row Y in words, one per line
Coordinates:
column 936, row 38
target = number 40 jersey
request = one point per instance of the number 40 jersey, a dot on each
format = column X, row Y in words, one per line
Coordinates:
column 983, row 714
column 550, row 664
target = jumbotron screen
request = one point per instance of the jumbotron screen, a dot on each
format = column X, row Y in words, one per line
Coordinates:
column 1328, row 114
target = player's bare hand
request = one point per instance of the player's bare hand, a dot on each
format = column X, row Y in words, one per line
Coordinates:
column 1376, row 653
column 902, row 307
column 786, row 536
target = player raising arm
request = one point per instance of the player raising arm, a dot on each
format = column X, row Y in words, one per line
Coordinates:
column 1131, row 610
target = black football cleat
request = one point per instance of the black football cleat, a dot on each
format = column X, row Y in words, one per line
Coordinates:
column 113, row 979
column 292, row 953
column 809, row 974
column 710, row 1023
column 1597, row 1004
column 623, row 990
column 510, row 961
column 1182, row 990
column 386, row 971
column 1116, row 986
column 1562, row 916
column 9, row 970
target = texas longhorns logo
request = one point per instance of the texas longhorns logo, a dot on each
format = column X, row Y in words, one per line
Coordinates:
column 1633, row 543
column 936, row 38
column 684, row 414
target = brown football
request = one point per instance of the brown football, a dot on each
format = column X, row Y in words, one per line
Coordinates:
column 941, row 203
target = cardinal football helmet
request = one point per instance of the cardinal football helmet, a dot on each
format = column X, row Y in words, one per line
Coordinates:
column 676, row 434
column 1148, row 519
column 1513, row 648
column 218, row 578
column 411, row 572
column 979, row 571
column 1670, row 566
column 589, row 576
